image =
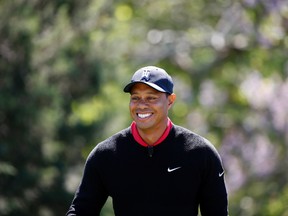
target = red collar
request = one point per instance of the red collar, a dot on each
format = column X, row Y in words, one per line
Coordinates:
column 139, row 139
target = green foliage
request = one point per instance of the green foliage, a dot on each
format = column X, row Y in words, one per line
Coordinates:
column 63, row 65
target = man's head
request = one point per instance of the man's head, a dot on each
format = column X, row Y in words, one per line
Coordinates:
column 151, row 91
column 154, row 77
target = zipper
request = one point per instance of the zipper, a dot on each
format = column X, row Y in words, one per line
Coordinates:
column 150, row 151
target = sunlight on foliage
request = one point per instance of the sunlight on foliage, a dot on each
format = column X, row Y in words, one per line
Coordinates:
column 123, row 12
column 180, row 109
column 87, row 112
column 7, row 169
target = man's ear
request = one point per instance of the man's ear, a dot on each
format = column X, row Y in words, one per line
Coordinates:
column 171, row 98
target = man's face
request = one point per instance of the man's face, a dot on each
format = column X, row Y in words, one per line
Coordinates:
column 149, row 107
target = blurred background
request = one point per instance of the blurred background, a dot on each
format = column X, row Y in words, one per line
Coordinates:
column 63, row 65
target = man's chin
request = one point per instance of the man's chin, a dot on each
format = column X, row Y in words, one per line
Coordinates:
column 143, row 125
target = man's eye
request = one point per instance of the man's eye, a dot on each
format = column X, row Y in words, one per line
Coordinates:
column 151, row 98
column 134, row 98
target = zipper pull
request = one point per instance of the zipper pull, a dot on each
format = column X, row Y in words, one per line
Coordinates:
column 150, row 150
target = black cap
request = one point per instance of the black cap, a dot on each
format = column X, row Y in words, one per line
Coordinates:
column 155, row 77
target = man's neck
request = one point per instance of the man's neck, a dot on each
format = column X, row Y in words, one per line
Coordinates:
column 141, row 141
column 151, row 136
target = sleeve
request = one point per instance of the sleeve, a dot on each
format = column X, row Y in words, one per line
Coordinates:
column 91, row 194
column 213, row 199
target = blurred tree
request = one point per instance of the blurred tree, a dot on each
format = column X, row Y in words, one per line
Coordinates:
column 37, row 86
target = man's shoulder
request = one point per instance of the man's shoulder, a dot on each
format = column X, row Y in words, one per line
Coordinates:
column 194, row 142
column 188, row 134
column 115, row 138
column 191, row 138
column 110, row 143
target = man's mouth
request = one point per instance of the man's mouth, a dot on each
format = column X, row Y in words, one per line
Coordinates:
column 142, row 116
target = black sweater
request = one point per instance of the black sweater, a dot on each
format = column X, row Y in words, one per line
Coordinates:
column 184, row 172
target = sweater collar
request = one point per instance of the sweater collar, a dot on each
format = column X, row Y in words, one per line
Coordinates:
column 139, row 139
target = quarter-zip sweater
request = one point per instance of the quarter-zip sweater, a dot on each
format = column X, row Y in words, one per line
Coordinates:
column 185, row 172
column 139, row 139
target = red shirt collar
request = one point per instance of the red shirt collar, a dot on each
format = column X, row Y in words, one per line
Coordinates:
column 139, row 139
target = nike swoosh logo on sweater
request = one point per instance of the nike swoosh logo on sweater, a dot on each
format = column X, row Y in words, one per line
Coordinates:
column 173, row 169
column 221, row 174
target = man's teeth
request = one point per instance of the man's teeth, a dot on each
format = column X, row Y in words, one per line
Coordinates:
column 144, row 115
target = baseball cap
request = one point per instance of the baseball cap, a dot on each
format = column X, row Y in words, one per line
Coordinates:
column 154, row 77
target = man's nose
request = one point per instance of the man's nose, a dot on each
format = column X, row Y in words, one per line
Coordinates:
column 142, row 102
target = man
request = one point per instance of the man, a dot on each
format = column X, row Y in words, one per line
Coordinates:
column 154, row 167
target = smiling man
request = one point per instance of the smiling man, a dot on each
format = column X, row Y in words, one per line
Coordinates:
column 153, row 167
column 149, row 109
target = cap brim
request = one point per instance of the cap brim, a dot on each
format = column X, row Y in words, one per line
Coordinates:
column 129, row 86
